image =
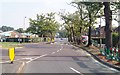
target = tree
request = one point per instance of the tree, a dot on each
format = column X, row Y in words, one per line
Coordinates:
column 20, row 30
column 44, row 25
column 118, row 7
column 108, row 26
column 6, row 28
column 75, row 25
column 92, row 9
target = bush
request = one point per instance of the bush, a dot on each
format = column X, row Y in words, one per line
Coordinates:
column 115, row 39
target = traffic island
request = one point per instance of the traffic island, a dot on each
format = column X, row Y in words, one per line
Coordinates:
column 96, row 54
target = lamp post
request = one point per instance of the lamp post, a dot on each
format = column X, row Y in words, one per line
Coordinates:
column 24, row 23
column 24, row 28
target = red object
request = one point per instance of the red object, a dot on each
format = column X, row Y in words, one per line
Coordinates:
column 119, row 51
column 115, row 50
column 111, row 49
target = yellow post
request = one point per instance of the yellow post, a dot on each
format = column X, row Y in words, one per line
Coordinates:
column 11, row 54
column 52, row 40
column 48, row 40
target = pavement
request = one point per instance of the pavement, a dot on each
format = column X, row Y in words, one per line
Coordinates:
column 95, row 53
column 59, row 57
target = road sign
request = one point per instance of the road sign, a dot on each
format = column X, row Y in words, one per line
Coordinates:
column 11, row 54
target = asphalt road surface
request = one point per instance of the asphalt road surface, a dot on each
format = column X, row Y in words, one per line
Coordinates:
column 59, row 57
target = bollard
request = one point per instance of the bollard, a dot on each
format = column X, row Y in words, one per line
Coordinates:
column 48, row 40
column 53, row 40
column 11, row 54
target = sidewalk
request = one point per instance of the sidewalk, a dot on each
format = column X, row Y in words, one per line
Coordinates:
column 94, row 51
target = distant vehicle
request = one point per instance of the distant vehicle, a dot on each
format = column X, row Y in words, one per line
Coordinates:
column 84, row 39
column 61, row 38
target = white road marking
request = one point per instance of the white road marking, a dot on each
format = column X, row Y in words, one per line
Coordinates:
column 36, row 58
column 57, row 50
column 27, row 58
column 76, row 70
column 60, row 49
column 4, row 62
column 104, row 65
column 53, row 52
column 21, row 67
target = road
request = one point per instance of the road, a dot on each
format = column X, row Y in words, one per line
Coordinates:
column 60, row 57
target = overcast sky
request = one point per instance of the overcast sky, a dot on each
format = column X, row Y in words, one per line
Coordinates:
column 12, row 12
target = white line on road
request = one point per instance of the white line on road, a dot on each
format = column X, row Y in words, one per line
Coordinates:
column 21, row 67
column 36, row 58
column 4, row 62
column 104, row 65
column 76, row 70
column 57, row 50
column 53, row 52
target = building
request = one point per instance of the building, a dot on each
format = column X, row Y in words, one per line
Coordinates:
column 98, row 32
column 116, row 29
column 11, row 34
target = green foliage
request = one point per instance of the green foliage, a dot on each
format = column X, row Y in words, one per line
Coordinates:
column 44, row 25
column 115, row 39
column 20, row 30
column 63, row 33
column 6, row 28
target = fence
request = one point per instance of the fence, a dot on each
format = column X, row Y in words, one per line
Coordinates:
column 37, row 39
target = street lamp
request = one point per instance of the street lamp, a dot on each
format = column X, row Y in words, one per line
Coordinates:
column 24, row 28
column 24, row 23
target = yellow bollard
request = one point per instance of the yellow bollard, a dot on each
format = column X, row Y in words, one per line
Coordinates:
column 48, row 40
column 53, row 40
column 11, row 54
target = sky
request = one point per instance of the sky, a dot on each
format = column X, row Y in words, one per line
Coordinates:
column 13, row 12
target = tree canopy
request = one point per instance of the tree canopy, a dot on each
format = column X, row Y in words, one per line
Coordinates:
column 44, row 25
column 6, row 28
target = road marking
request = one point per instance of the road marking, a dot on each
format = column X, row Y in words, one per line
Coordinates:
column 27, row 58
column 104, row 65
column 57, row 50
column 5, row 62
column 53, row 52
column 60, row 49
column 76, row 70
column 36, row 58
column 21, row 67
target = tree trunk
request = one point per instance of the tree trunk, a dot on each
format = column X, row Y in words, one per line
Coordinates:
column 89, row 37
column 89, row 32
column 73, row 33
column 108, row 26
column 119, row 30
column 119, row 36
column 71, row 40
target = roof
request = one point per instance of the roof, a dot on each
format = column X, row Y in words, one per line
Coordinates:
column 8, row 33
